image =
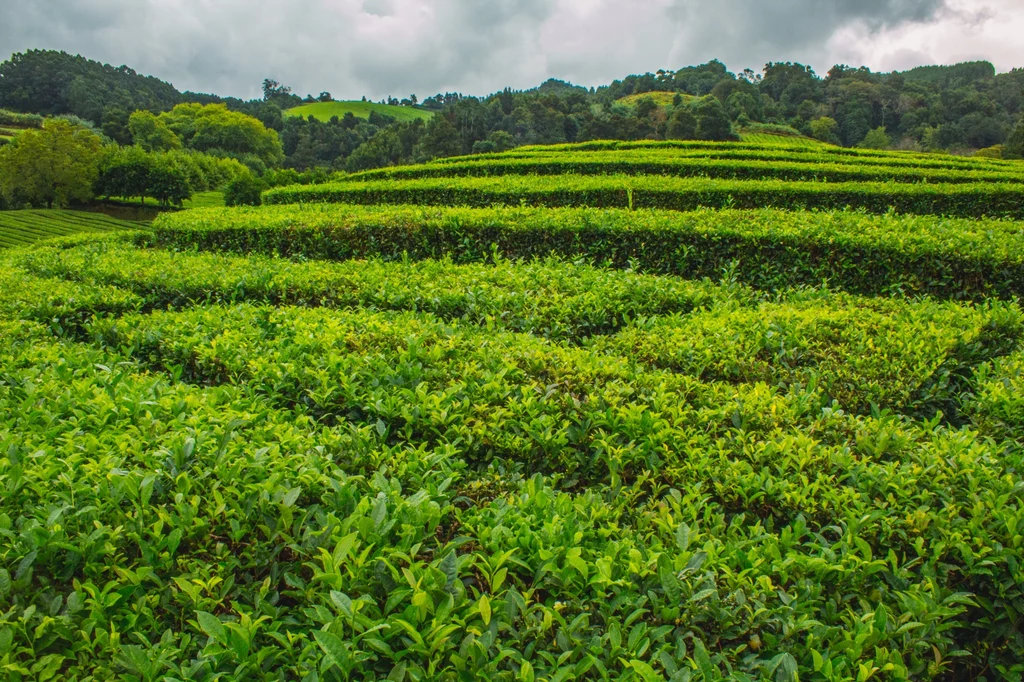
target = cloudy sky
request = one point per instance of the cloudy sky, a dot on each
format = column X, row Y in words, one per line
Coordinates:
column 380, row 47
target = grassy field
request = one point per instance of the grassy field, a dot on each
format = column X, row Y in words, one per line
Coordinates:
column 324, row 111
column 18, row 228
column 662, row 99
column 570, row 432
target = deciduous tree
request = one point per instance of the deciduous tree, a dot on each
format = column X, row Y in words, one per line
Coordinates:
column 51, row 167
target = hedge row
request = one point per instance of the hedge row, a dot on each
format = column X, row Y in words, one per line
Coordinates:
column 974, row 200
column 877, row 352
column 552, row 299
column 766, row 249
column 740, row 169
column 689, row 145
column 864, row 354
column 896, row 161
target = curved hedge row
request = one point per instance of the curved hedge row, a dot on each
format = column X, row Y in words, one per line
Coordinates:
column 749, row 169
column 936, row 163
column 973, row 200
column 673, row 145
column 862, row 253
column 550, row 298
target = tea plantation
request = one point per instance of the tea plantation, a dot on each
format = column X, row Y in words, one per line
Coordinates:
column 611, row 411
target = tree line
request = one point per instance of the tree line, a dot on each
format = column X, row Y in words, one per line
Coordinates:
column 961, row 109
column 191, row 148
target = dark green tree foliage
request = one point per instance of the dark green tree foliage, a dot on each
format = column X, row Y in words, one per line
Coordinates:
column 1015, row 144
column 168, row 183
column 125, row 173
column 50, row 82
column 960, row 107
column 441, row 139
column 683, row 125
column 712, row 120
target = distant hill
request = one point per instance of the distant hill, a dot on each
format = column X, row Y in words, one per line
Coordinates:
column 50, row 83
column 966, row 72
column 324, row 111
column 560, row 88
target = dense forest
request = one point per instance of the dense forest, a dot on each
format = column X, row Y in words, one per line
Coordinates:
column 960, row 109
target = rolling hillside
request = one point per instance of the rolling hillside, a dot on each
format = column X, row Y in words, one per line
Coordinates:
column 18, row 228
column 324, row 111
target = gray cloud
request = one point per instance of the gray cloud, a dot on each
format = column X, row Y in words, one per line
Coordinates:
column 381, row 47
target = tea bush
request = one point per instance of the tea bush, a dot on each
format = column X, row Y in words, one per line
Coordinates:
column 765, row 249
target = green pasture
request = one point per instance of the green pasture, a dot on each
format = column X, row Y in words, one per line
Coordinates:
column 325, row 111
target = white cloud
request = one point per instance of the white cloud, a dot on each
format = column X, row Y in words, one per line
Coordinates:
column 382, row 47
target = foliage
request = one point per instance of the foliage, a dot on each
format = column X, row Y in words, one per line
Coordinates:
column 721, row 162
column 1014, row 147
column 151, row 133
column 12, row 118
column 712, row 120
column 825, row 129
column 170, row 177
column 214, row 127
column 244, row 191
column 876, row 139
column 873, row 255
column 50, row 167
column 49, row 82
column 466, row 484
column 680, row 194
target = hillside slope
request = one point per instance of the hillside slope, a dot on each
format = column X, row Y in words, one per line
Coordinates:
column 324, row 111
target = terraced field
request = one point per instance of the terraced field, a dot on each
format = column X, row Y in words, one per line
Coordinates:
column 18, row 228
column 561, row 441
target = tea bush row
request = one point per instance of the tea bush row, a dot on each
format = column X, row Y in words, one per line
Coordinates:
column 549, row 298
column 895, row 161
column 766, row 249
column 973, row 200
column 675, row 146
column 568, row 163
column 861, row 352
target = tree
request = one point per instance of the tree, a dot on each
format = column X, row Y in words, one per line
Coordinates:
column 712, row 120
column 501, row 140
column 214, row 127
column 152, row 133
column 168, row 183
column 273, row 89
column 876, row 138
column 245, row 191
column 441, row 139
column 51, row 167
column 125, row 173
column 683, row 125
column 1014, row 147
column 645, row 107
column 825, row 129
